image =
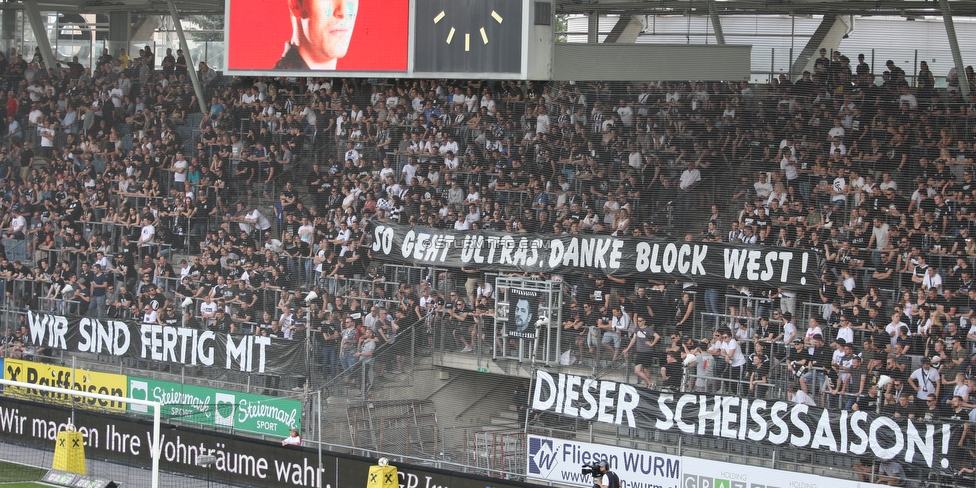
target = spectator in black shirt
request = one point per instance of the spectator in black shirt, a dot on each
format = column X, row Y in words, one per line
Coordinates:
column 867, row 403
column 671, row 373
column 903, row 408
column 758, row 376
column 956, row 411
column 641, row 304
column 222, row 322
column 898, row 371
column 931, row 410
column 820, row 358
column 591, row 317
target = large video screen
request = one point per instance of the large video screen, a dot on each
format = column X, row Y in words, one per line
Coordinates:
column 317, row 35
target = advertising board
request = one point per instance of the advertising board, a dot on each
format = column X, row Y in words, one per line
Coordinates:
column 62, row 377
column 239, row 460
column 211, row 407
column 560, row 461
column 705, row 473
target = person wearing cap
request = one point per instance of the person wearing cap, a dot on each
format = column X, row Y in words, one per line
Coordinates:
column 925, row 380
column 603, row 477
column 293, row 439
column 759, row 375
column 768, row 332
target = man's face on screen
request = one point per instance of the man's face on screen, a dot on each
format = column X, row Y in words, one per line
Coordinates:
column 327, row 28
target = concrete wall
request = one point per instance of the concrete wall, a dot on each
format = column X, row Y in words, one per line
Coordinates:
column 621, row 62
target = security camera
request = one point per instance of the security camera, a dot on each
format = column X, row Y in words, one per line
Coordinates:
column 884, row 381
column 690, row 359
column 187, row 302
column 311, row 296
column 542, row 322
column 206, row 460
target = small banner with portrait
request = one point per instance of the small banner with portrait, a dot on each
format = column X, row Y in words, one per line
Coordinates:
column 523, row 313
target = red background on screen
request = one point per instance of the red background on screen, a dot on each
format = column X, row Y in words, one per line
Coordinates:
column 259, row 29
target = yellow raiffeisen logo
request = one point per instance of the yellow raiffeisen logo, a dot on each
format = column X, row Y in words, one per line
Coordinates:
column 61, row 377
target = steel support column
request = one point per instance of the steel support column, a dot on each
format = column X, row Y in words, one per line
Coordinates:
column 40, row 33
column 716, row 22
column 954, row 47
column 626, row 31
column 191, row 67
column 8, row 29
column 593, row 28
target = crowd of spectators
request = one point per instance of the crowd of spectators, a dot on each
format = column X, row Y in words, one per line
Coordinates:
column 121, row 198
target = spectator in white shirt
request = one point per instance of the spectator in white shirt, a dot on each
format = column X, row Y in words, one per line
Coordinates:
column 208, row 310
column 763, row 187
column 542, row 122
column 734, row 357
column 932, row 279
column 462, row 222
column 797, row 395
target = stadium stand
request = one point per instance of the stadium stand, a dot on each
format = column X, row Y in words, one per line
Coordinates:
column 121, row 200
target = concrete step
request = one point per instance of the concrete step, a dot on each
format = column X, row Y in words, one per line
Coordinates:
column 508, row 414
column 513, row 423
column 496, row 428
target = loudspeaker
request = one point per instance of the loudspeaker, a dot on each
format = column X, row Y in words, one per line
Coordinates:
column 543, row 13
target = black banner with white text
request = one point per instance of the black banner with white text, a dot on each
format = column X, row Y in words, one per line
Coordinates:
column 180, row 345
column 775, row 422
column 616, row 256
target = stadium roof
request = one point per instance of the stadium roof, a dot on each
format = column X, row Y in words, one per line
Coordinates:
column 147, row 7
column 913, row 8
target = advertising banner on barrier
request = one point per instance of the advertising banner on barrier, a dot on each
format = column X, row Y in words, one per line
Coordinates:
column 617, row 256
column 705, row 473
column 560, row 461
column 180, row 345
column 239, row 460
column 924, row 444
column 210, row 407
column 62, row 377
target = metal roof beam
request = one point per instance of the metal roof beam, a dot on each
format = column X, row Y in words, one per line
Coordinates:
column 950, row 28
column 190, row 68
column 716, row 22
column 756, row 7
column 40, row 33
